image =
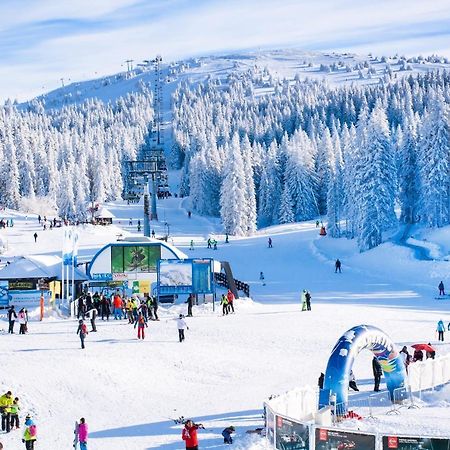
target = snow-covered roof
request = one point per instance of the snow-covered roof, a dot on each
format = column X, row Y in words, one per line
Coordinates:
column 104, row 213
column 36, row 266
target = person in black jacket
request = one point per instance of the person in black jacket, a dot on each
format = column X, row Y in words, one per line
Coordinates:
column 377, row 372
column 190, row 303
column 12, row 316
column 155, row 307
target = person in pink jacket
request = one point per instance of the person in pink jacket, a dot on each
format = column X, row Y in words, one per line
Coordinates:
column 83, row 434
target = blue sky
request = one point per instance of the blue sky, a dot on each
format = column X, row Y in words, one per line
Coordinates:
column 42, row 41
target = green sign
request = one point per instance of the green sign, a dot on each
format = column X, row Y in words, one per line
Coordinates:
column 134, row 258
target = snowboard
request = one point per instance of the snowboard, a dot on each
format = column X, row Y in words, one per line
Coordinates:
column 75, row 432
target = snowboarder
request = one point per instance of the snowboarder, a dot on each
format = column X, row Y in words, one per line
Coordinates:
column 270, row 242
column 82, row 331
column 181, row 325
column 377, row 372
column 189, row 434
column 30, row 433
column 14, row 414
column 190, row 302
column 337, row 266
column 224, row 303
column 261, row 278
column 141, row 324
column 441, row 288
column 82, row 432
column 440, row 330
column 35, row 235
column 12, row 316
column 308, row 300
column 227, row 439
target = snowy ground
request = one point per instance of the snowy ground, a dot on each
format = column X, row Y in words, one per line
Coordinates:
column 130, row 390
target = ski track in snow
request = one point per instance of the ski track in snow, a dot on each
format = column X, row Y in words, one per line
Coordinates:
column 129, row 390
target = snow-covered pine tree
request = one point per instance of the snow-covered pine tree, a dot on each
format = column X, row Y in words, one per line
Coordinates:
column 232, row 194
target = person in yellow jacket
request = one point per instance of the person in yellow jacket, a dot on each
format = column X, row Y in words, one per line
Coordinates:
column 30, row 433
column 14, row 413
column 6, row 400
column 129, row 308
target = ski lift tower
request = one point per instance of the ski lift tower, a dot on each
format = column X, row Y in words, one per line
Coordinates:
column 144, row 175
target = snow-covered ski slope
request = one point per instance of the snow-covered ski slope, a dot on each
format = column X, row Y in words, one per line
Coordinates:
column 280, row 64
column 129, row 390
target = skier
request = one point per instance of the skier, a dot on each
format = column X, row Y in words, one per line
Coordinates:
column 337, row 266
column 12, row 316
column 192, row 245
column 270, row 242
column 14, row 414
column 441, row 288
column 224, row 303
column 130, row 222
column 29, row 435
column 230, row 298
column 141, row 324
column 35, row 235
column 209, row 243
column 153, row 234
column 189, row 434
column 82, row 331
column 440, row 329
column 190, row 302
column 83, row 433
column 317, row 224
column 227, row 439
column 181, row 325
column 189, row 214
column 308, row 300
column 227, row 241
column 215, row 244
column 39, row 218
column 6, row 400
column 261, row 278
column 377, row 372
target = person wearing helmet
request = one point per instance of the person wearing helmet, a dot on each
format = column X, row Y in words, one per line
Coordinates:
column 82, row 331
column 227, row 439
column 29, row 435
column 181, row 325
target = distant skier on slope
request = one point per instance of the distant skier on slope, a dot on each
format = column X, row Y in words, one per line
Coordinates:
column 441, row 288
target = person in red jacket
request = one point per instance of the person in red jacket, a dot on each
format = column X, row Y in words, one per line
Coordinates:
column 189, row 434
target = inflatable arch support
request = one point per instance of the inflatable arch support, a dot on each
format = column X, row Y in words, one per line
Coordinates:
column 348, row 347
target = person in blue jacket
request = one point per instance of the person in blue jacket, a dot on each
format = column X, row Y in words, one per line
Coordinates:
column 227, row 439
column 440, row 329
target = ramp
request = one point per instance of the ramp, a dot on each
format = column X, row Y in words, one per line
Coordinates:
column 230, row 279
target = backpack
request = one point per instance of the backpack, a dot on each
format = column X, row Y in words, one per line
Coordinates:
column 84, row 329
column 33, row 430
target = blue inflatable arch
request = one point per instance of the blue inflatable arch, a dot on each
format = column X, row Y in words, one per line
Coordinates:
column 348, row 347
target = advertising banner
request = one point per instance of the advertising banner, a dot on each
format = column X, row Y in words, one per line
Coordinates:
column 270, row 419
column 328, row 439
column 415, row 443
column 4, row 300
column 291, row 435
column 175, row 273
column 27, row 298
column 134, row 258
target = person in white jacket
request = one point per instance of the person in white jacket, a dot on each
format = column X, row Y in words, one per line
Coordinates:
column 181, row 325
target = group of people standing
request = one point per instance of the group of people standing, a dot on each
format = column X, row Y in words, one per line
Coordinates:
column 21, row 317
column 9, row 409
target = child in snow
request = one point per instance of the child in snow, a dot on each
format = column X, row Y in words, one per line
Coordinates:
column 83, row 433
column 82, row 331
column 30, row 433
column 224, row 303
column 181, row 325
column 14, row 413
column 227, row 439
column 141, row 324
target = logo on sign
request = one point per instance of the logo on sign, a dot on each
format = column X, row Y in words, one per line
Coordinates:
column 119, row 276
column 323, row 435
column 392, row 442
